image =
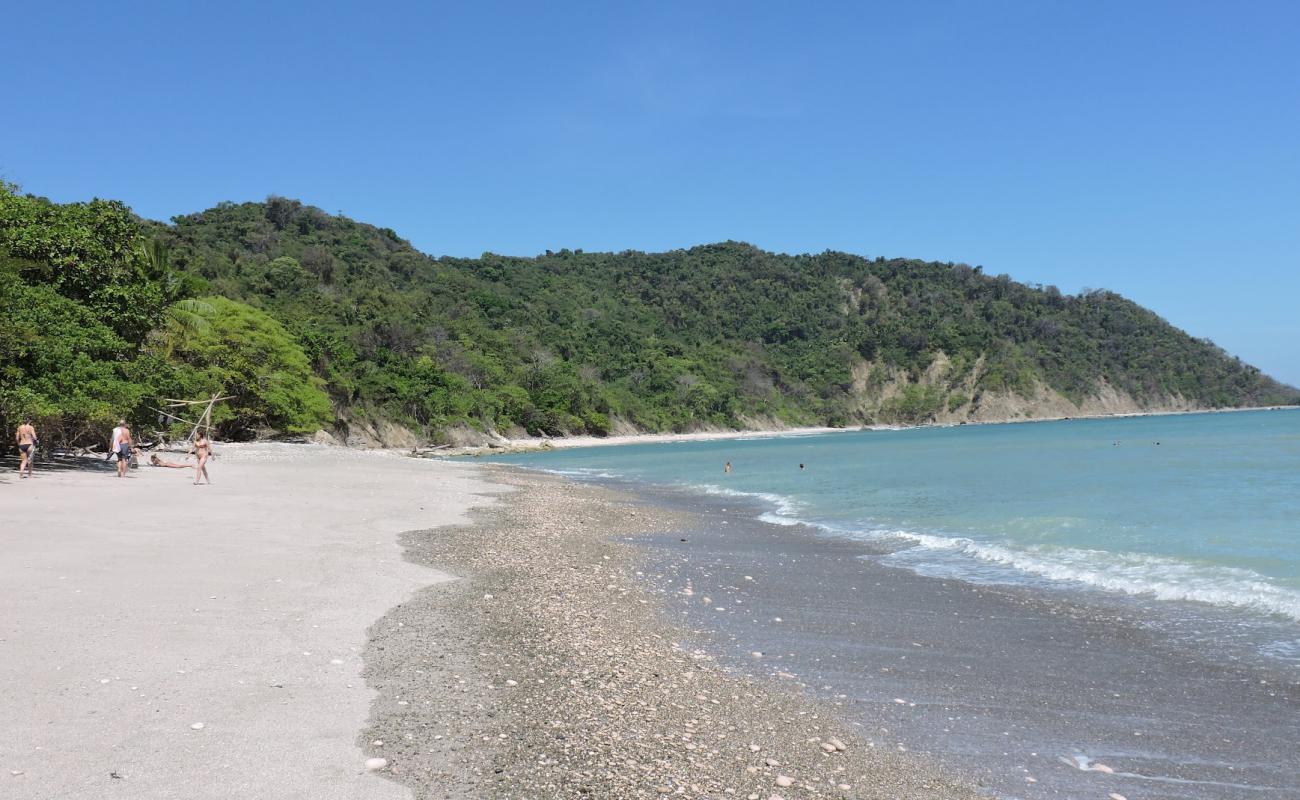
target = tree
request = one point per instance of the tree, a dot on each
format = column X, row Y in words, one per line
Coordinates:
column 244, row 352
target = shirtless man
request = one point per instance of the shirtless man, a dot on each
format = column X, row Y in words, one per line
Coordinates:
column 121, row 447
column 25, row 436
column 201, row 447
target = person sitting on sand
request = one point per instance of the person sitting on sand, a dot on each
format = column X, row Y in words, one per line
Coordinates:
column 25, row 436
column 201, row 447
column 158, row 462
column 121, row 447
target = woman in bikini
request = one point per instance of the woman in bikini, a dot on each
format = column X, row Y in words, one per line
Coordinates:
column 26, row 438
column 201, row 447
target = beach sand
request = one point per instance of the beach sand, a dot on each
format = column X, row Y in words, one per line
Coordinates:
column 267, row 636
column 132, row 610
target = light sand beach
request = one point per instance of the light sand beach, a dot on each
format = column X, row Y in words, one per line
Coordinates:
column 499, row 445
column 133, row 611
column 267, row 636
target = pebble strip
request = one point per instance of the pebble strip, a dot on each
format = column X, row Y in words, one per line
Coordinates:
column 548, row 672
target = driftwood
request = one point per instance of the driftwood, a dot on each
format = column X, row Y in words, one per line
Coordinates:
column 204, row 420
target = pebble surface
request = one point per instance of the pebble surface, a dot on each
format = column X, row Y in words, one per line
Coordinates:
column 607, row 698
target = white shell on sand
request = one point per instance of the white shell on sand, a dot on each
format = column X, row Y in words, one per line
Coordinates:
column 836, row 743
column 1116, row 796
column 784, row 781
column 753, row 748
column 828, row 747
column 198, row 726
column 374, row 764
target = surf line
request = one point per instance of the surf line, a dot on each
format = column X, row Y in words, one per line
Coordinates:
column 1085, row 764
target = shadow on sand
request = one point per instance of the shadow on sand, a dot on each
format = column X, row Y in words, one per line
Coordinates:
column 54, row 462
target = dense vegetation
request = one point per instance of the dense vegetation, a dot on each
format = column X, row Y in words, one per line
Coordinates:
column 97, row 326
column 284, row 304
column 569, row 341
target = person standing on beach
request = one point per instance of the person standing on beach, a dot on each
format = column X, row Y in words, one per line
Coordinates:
column 121, row 447
column 201, row 447
column 25, row 436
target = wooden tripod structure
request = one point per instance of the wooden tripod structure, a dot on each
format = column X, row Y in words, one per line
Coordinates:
column 204, row 420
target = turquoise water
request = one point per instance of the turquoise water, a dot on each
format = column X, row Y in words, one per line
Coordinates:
column 1199, row 509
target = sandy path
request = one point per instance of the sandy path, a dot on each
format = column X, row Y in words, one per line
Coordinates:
column 132, row 609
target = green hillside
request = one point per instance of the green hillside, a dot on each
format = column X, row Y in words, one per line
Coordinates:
column 314, row 306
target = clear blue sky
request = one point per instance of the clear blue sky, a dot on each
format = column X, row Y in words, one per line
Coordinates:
column 1150, row 148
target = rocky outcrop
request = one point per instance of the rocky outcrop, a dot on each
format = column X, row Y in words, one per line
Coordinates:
column 950, row 394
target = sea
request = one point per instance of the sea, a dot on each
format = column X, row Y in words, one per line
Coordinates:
column 1198, row 511
column 1080, row 608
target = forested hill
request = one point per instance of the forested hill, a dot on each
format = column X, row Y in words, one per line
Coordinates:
column 282, row 302
column 716, row 335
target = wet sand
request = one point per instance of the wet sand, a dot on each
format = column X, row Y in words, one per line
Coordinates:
column 1031, row 695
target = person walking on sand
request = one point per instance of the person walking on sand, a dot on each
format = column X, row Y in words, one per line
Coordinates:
column 121, row 447
column 201, row 447
column 25, row 436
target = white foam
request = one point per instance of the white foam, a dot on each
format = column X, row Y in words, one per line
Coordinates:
column 578, row 472
column 1126, row 573
column 786, row 507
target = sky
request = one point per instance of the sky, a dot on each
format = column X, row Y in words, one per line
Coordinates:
column 1149, row 148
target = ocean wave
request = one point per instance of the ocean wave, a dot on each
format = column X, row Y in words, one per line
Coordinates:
column 1127, row 573
column 578, row 472
column 1134, row 574
column 785, row 507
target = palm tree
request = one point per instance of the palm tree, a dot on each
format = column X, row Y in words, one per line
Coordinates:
column 182, row 320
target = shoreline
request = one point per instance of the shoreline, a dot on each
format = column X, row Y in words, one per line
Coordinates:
column 1034, row 693
column 508, row 446
column 561, row 675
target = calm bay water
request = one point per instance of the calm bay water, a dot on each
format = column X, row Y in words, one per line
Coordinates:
column 1191, row 511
